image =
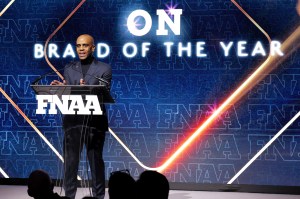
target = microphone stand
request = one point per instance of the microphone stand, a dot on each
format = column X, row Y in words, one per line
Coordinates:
column 36, row 81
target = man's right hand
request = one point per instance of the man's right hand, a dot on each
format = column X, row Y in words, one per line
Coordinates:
column 56, row 82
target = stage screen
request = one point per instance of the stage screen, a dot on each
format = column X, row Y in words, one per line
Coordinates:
column 210, row 81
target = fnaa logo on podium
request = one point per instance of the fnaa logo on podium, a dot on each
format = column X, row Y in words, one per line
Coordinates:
column 68, row 104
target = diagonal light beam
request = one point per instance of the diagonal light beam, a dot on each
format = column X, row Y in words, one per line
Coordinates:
column 272, row 62
column 45, row 52
column 289, row 45
column 31, row 124
column 3, row 173
column 129, row 151
column 264, row 148
column 54, row 32
column 244, row 88
column 6, row 7
column 235, row 96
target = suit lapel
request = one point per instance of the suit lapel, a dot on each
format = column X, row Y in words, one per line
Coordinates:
column 77, row 74
column 91, row 72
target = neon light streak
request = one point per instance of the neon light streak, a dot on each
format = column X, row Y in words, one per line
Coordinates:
column 248, row 84
column 222, row 108
column 47, row 60
column 50, row 37
column 3, row 173
column 264, row 68
column 6, row 7
column 264, row 148
column 237, row 94
column 128, row 150
column 289, row 48
column 32, row 125
column 54, row 32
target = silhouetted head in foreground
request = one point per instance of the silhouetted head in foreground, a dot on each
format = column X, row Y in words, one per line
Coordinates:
column 121, row 185
column 40, row 186
column 152, row 185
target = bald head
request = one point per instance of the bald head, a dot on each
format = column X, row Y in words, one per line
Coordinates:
column 86, row 37
column 85, row 46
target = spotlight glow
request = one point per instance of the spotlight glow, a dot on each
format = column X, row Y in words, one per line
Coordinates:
column 170, row 8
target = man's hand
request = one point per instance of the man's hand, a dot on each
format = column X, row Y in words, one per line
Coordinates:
column 56, row 82
column 82, row 82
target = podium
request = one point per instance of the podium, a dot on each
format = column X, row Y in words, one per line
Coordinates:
column 84, row 123
column 100, row 90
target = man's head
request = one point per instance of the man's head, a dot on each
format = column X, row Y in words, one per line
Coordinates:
column 39, row 184
column 121, row 185
column 152, row 184
column 85, row 46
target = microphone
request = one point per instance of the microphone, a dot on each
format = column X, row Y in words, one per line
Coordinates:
column 35, row 82
column 100, row 79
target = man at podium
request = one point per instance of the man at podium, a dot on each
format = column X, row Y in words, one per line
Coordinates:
column 88, row 130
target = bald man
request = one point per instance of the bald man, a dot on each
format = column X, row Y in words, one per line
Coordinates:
column 88, row 130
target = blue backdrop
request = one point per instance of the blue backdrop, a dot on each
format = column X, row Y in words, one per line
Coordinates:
column 160, row 100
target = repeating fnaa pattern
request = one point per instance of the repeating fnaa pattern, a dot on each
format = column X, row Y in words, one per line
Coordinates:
column 161, row 98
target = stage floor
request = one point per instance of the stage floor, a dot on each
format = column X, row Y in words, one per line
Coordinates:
column 17, row 192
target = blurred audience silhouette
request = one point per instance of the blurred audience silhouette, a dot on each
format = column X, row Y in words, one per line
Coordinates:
column 121, row 185
column 152, row 185
column 40, row 186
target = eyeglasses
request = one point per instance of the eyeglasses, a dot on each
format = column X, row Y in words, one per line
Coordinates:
column 120, row 171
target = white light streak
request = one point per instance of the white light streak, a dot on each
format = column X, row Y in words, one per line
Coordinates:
column 264, row 148
column 6, row 7
column 3, row 173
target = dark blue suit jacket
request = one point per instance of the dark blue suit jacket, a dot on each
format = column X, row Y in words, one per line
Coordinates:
column 73, row 74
